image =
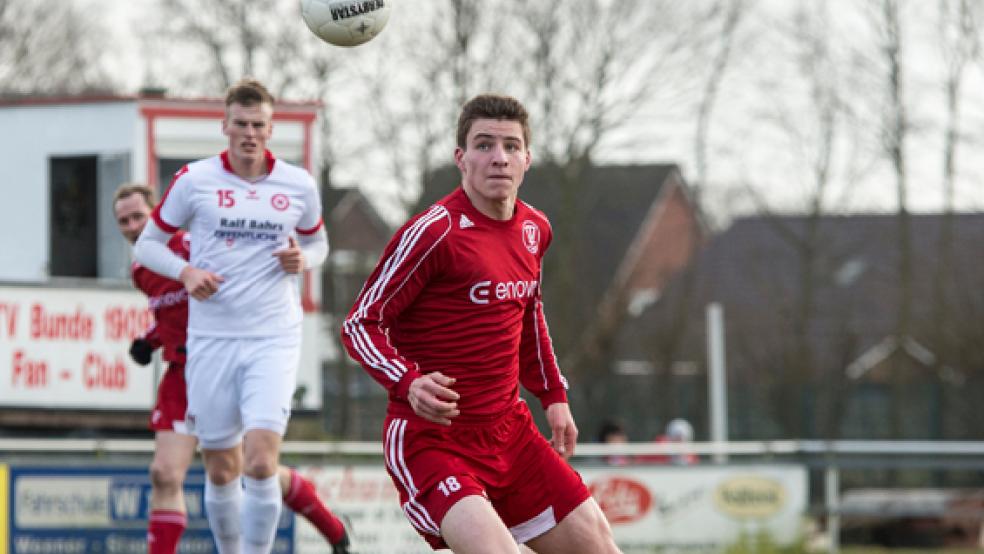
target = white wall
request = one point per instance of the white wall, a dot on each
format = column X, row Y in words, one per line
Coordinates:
column 194, row 138
column 32, row 134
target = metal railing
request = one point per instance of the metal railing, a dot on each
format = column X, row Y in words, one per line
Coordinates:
column 830, row 457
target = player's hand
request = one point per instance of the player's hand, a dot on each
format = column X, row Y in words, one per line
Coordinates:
column 200, row 283
column 292, row 257
column 562, row 428
column 141, row 351
column 432, row 398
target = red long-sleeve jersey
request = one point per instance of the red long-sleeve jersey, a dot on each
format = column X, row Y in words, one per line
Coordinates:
column 458, row 292
column 169, row 303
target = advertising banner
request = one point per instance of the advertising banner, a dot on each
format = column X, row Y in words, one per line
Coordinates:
column 699, row 507
column 102, row 510
column 67, row 348
column 694, row 508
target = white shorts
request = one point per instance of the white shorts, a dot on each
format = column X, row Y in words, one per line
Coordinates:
column 239, row 384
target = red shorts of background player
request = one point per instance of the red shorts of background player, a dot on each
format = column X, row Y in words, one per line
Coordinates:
column 506, row 460
column 172, row 401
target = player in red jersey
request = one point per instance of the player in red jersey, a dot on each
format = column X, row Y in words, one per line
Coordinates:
column 174, row 446
column 451, row 323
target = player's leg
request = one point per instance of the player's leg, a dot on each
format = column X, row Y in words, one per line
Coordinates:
column 262, row 496
column 213, row 415
column 543, row 500
column 173, row 453
column 441, row 489
column 584, row 530
column 471, row 526
column 300, row 496
column 174, row 449
column 266, row 384
column 224, row 496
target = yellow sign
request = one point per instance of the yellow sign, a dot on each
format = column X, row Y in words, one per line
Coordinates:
column 750, row 497
column 4, row 508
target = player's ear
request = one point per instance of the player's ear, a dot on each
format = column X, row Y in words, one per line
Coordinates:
column 459, row 153
column 529, row 158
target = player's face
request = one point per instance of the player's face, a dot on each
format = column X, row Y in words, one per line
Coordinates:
column 248, row 128
column 131, row 216
column 494, row 160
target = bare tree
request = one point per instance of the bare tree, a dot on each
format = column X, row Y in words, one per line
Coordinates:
column 44, row 50
column 959, row 43
column 734, row 11
column 414, row 116
column 246, row 38
column 803, row 106
column 591, row 72
column 886, row 21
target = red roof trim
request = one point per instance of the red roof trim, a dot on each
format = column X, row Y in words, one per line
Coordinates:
column 54, row 100
column 145, row 101
column 218, row 112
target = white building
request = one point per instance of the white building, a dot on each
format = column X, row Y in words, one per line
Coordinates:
column 62, row 259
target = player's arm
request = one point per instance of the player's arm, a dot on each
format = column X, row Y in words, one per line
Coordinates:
column 152, row 251
column 411, row 259
column 306, row 252
column 540, row 374
column 311, row 247
column 143, row 347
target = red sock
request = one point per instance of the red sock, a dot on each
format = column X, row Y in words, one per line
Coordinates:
column 303, row 499
column 164, row 531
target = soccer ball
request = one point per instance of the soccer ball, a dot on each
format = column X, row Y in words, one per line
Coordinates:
column 345, row 22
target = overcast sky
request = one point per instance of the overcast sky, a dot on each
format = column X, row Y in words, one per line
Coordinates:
column 746, row 151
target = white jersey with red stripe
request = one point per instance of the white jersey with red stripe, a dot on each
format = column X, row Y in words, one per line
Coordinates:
column 236, row 226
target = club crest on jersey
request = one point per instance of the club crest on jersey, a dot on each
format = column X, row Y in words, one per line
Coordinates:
column 280, row 202
column 531, row 236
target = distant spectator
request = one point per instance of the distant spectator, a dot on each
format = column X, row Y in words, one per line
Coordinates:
column 677, row 431
column 612, row 432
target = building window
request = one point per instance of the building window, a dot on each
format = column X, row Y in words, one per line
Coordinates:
column 74, row 225
column 166, row 168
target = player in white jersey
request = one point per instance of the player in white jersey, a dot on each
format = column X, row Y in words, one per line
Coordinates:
column 242, row 209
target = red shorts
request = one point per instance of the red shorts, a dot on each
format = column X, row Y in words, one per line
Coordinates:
column 172, row 401
column 506, row 460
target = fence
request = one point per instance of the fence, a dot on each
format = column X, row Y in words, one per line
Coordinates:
column 826, row 460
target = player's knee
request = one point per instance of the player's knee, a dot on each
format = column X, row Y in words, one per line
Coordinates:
column 261, row 467
column 165, row 476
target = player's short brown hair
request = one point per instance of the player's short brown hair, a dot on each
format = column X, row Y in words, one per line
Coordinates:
column 127, row 190
column 492, row 106
column 248, row 92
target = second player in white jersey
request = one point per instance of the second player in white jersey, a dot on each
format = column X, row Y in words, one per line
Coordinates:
column 243, row 208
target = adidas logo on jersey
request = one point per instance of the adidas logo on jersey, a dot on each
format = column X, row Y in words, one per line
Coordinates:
column 464, row 222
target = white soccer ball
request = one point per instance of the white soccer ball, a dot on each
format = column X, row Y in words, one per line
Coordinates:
column 346, row 22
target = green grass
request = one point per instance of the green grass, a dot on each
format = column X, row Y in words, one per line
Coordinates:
column 878, row 550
